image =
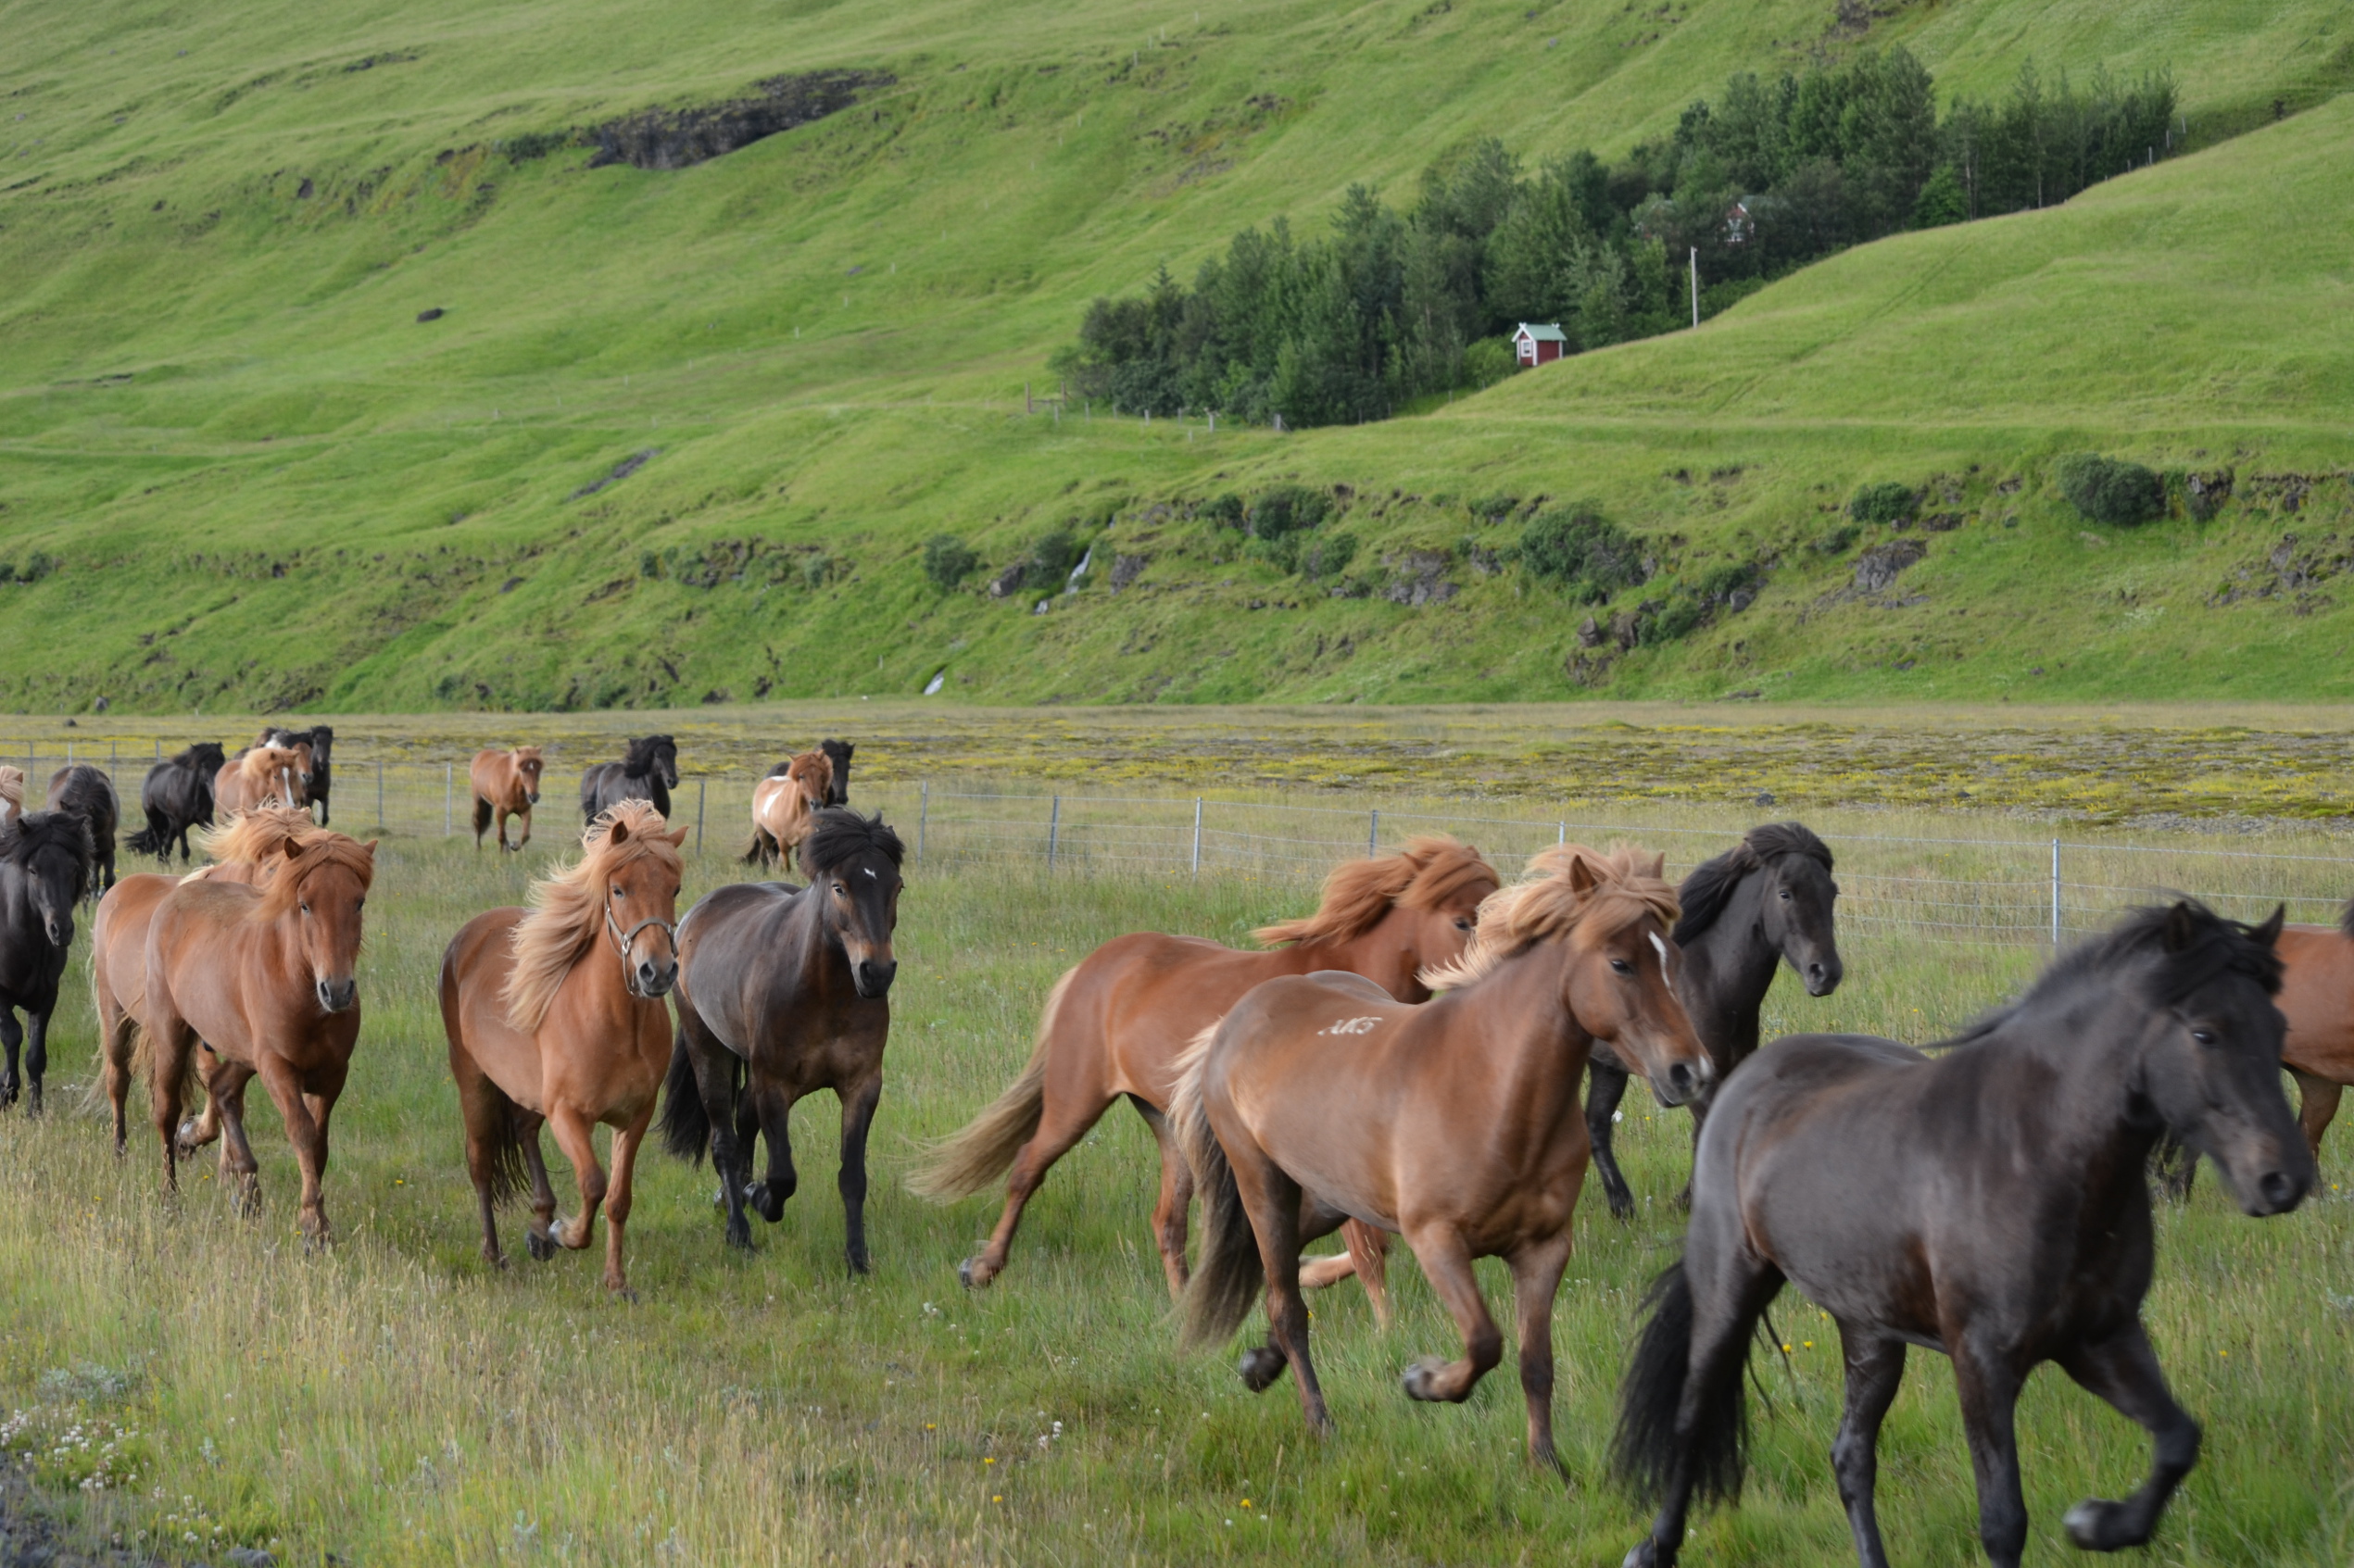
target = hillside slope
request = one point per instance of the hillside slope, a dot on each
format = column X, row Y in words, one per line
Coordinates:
column 271, row 485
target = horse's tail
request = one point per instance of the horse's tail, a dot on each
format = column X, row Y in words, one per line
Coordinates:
column 481, row 815
column 146, row 841
column 509, row 1178
column 969, row 1160
column 1645, row 1452
column 1226, row 1282
column 687, row 1126
column 756, row 848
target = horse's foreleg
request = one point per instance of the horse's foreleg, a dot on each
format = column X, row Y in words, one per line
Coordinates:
column 858, row 1115
column 12, row 1039
column 36, row 1056
column 1989, row 1402
column 307, row 1131
column 524, row 816
column 1176, row 1198
column 115, row 1033
column 2123, row 1370
column 1536, row 1276
column 1606, row 1086
column 1875, row 1371
column 576, row 1136
column 618, row 1196
column 2316, row 1106
column 1446, row 1264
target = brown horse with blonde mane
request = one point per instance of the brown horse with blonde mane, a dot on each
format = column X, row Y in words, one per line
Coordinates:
column 1319, row 1098
column 506, row 784
column 263, row 977
column 784, row 806
column 1116, row 1023
column 260, row 774
column 555, row 1015
column 11, row 794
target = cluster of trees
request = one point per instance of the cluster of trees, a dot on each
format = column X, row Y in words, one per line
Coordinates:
column 1392, row 306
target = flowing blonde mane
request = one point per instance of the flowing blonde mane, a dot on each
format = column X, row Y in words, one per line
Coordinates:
column 1622, row 887
column 261, row 765
column 323, row 848
column 256, row 836
column 567, row 907
column 11, row 790
column 1429, row 871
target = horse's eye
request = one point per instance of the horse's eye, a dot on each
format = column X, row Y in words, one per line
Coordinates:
column 1623, row 966
column 306, row 909
column 1785, row 895
column 2204, row 1036
column 1464, row 922
column 617, row 892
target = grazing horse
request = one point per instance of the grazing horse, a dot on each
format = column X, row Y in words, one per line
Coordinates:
column 257, row 774
column 785, row 806
column 321, row 739
column 555, row 1014
column 506, row 784
column 87, row 792
column 649, row 771
column 1765, row 902
column 837, row 793
column 263, row 977
column 783, row 991
column 1117, row 1023
column 1452, row 1123
column 45, row 870
column 177, row 796
column 11, row 794
column 1988, row 1203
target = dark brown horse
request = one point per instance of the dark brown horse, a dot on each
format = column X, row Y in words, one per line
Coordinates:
column 506, row 784
column 838, row 791
column 176, row 796
column 1455, row 1123
column 783, row 991
column 648, row 771
column 86, row 791
column 1988, row 1203
column 44, row 871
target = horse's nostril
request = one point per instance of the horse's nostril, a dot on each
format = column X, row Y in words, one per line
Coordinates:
column 2276, row 1187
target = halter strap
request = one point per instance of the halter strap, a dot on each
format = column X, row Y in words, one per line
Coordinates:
column 627, row 941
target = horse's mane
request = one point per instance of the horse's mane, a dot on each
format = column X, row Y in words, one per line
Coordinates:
column 811, row 767
column 1709, row 888
column 12, row 787
column 25, row 835
column 206, row 756
column 841, row 835
column 521, row 754
column 1625, row 886
column 1430, row 869
column 249, row 837
column 261, row 764
column 324, row 847
column 566, row 907
column 639, row 759
column 2215, row 945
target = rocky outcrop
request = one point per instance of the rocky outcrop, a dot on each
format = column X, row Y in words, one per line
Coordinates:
column 680, row 138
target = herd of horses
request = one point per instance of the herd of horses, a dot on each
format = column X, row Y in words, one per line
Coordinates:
column 1405, row 1061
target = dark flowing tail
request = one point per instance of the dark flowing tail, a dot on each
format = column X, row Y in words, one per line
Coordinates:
column 146, row 841
column 1645, row 1453
column 687, row 1126
column 481, row 815
column 1226, row 1282
column 509, row 1178
column 756, row 848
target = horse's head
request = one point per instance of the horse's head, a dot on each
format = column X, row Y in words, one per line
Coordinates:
column 51, row 850
column 325, row 887
column 2210, row 1065
column 529, row 762
column 853, row 866
column 1795, row 895
column 838, row 752
column 665, row 755
column 1390, row 917
column 637, row 869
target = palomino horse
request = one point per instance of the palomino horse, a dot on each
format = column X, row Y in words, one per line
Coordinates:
column 648, row 771
column 249, row 851
column 87, row 792
column 257, row 774
column 263, row 977
column 1453, row 1122
column 1765, row 902
column 176, row 796
column 45, row 870
column 320, row 776
column 555, row 1014
column 506, row 784
column 785, row 805
column 11, row 794
column 1117, row 1023
column 1988, row 1203
column 783, row 991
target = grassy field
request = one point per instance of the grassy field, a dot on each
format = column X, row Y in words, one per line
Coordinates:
column 269, row 485
column 392, row 1401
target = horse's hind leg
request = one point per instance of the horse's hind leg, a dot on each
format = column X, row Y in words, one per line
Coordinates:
column 1536, row 1276
column 576, row 1136
column 1606, row 1086
column 225, row 1098
column 482, row 821
column 1176, row 1198
column 858, row 1115
column 1065, row 1116
column 1272, row 1200
column 537, row 1240
column 2123, row 1370
column 1989, row 1391
column 2316, row 1107
column 771, row 1104
column 12, row 1039
column 36, row 1056
column 1446, row 1264
column 1875, row 1371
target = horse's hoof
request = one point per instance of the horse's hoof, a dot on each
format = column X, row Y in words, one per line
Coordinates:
column 861, row 1264
column 1261, row 1365
column 1418, row 1377
column 1623, row 1207
column 2098, row 1524
column 623, row 1293
column 1646, row 1556
column 964, row 1276
column 541, row 1247
column 740, row 1237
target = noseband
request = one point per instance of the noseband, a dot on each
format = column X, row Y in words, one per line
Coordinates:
column 624, row 942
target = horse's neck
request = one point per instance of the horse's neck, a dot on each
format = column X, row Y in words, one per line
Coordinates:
column 1383, row 955
column 1728, row 969
column 2084, row 1066
column 1516, row 1021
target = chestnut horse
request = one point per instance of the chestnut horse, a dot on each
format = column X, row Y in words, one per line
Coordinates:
column 785, row 805
column 1453, row 1122
column 257, row 774
column 263, row 977
column 1116, row 1023
column 555, row 1014
column 506, row 784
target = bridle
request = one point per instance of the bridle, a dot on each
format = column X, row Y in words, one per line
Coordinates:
column 624, row 942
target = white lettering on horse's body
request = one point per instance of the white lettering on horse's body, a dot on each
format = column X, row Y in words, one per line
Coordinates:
column 1351, row 1026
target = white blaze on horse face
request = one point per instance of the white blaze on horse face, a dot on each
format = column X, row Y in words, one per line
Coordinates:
column 1661, row 949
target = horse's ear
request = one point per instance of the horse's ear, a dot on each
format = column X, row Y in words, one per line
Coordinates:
column 677, row 838
column 2269, row 932
column 618, row 832
column 370, row 846
column 1582, row 877
column 1658, row 870
column 2182, row 928
column 293, row 850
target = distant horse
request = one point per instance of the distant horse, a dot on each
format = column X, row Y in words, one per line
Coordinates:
column 649, row 771
column 321, row 739
column 87, row 792
column 783, row 991
column 1988, row 1203
column 11, row 794
column 1116, row 1023
column 249, row 851
column 263, row 977
column 1452, row 1123
column 1764, row 902
column 176, row 796
column 839, row 753
column 257, row 774
column 784, row 806
column 506, row 784
column 45, row 870
column 555, row 1014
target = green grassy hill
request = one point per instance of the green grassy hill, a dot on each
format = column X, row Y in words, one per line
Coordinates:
column 269, row 485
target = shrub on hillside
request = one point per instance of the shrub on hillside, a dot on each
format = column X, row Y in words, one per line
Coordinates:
column 1489, row 360
column 2111, row 490
column 1287, row 508
column 1225, row 510
column 1051, row 560
column 1882, row 503
column 1578, row 548
column 947, row 559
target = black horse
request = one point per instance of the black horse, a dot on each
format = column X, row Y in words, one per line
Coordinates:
column 1763, row 902
column 1988, row 1203
column 177, row 797
column 87, row 792
column 789, row 987
column 649, row 771
column 839, row 753
column 320, row 738
column 45, row 870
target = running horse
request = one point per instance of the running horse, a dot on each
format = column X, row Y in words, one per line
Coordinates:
column 784, row 806
column 555, row 1015
column 87, row 792
column 1988, row 1203
column 257, row 774
column 11, row 794
column 1116, row 1023
column 648, row 771
column 44, row 871
column 319, row 775
column 175, row 796
column 263, row 977
column 1455, row 1123
column 506, row 784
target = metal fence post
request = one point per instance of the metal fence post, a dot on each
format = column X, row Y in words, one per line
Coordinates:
column 380, row 796
column 1562, row 835
column 1197, row 836
column 1373, row 836
column 923, row 816
column 699, row 815
column 448, row 794
column 1053, row 830
column 2055, row 895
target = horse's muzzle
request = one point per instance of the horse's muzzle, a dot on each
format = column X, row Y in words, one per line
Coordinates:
column 652, row 979
column 531, row 797
column 872, row 977
column 337, row 996
column 1823, row 975
column 60, row 929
